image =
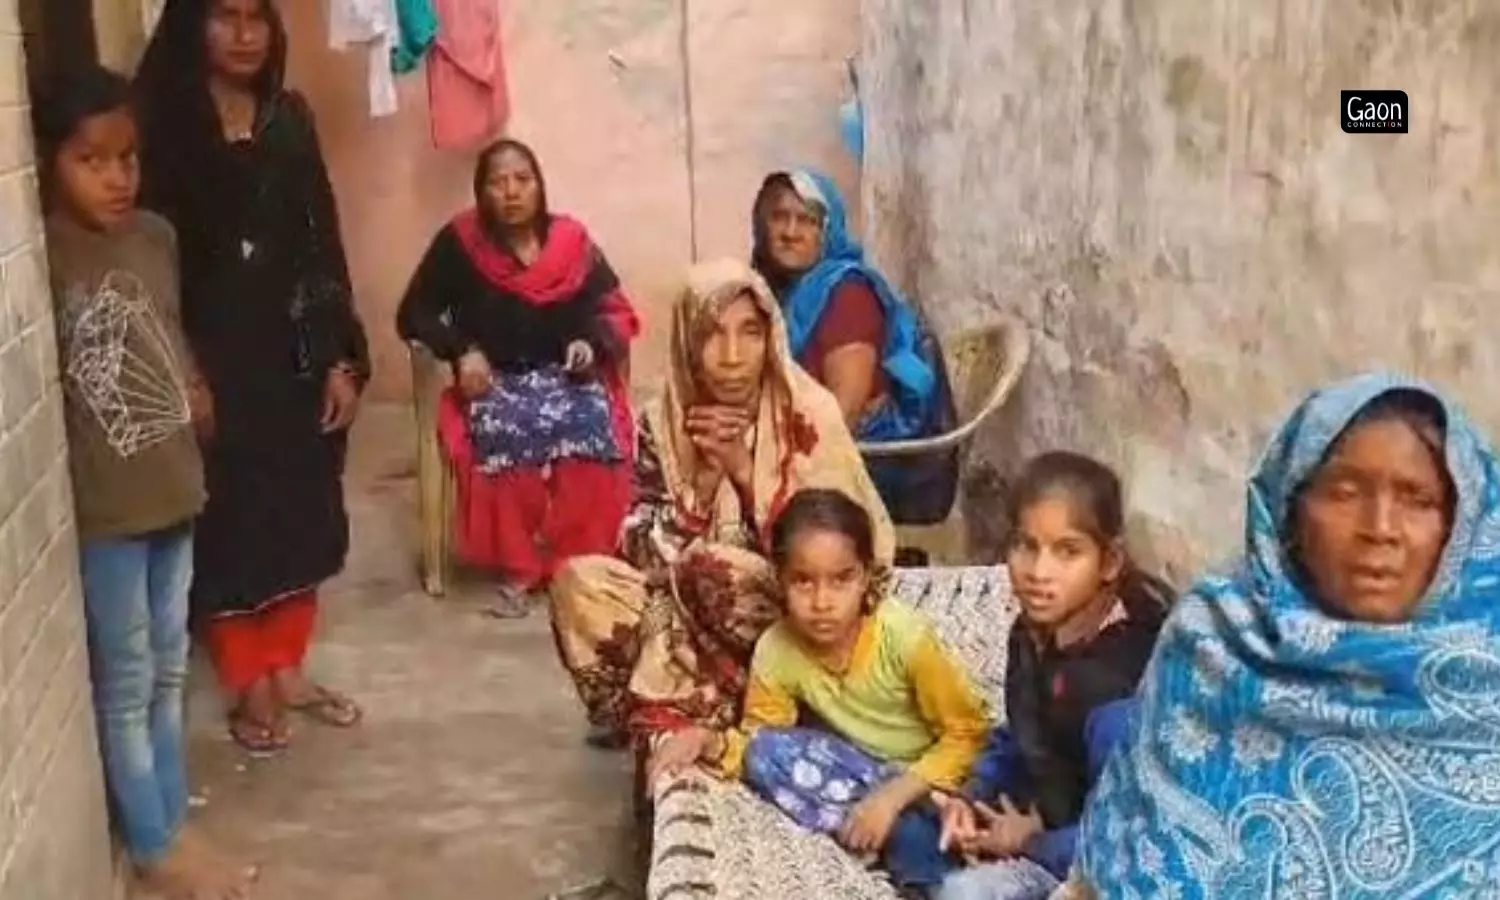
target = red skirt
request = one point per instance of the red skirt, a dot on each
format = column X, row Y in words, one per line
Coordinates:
column 525, row 522
column 247, row 647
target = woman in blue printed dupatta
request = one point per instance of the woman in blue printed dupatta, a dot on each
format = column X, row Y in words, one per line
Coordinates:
column 1326, row 722
column 850, row 329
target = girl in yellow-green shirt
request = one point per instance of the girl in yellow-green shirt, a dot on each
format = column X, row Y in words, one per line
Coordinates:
column 897, row 715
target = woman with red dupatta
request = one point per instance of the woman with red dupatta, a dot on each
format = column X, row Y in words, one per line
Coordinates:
column 538, row 426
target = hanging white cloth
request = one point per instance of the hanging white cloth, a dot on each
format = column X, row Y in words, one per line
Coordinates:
column 150, row 15
column 373, row 24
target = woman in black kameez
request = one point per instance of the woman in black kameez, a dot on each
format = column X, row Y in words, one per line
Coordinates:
column 232, row 159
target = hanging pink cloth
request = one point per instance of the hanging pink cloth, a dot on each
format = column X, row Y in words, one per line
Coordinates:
column 467, row 90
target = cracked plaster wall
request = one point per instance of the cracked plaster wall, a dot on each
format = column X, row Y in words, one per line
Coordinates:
column 1163, row 191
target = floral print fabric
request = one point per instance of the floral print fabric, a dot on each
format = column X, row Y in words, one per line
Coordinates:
column 531, row 419
column 676, row 649
column 812, row 776
column 661, row 636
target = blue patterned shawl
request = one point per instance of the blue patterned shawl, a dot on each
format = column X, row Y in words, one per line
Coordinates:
column 904, row 359
column 1281, row 753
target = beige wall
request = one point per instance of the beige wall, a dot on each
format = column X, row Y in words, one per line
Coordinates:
column 118, row 31
column 53, row 839
column 1164, row 191
column 767, row 81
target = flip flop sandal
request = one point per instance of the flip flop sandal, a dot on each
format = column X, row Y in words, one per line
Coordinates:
column 510, row 603
column 330, row 709
column 256, row 738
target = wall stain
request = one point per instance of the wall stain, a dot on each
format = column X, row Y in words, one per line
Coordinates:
column 607, row 22
column 1121, row 128
column 1185, row 77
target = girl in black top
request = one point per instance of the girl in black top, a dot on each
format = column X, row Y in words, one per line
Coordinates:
column 1088, row 623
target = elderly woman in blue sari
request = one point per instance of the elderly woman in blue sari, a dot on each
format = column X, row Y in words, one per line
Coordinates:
column 849, row 328
column 1325, row 722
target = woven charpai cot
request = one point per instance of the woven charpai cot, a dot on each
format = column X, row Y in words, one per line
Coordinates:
column 717, row 840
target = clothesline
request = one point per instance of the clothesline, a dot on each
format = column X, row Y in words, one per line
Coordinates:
column 460, row 43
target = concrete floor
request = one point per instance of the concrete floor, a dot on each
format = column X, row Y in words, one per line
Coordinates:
column 468, row 778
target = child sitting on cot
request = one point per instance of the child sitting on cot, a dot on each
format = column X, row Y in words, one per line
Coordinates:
column 1088, row 623
column 897, row 715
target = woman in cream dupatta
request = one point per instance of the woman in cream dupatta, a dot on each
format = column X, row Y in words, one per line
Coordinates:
column 661, row 637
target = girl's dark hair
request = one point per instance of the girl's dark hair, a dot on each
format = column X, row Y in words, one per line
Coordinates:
column 1097, row 503
column 482, row 167
column 820, row 509
column 64, row 102
column 1092, row 488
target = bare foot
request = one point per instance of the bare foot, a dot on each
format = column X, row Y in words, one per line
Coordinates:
column 195, row 871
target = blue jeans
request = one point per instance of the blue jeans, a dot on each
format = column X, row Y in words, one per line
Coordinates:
column 1050, row 854
column 135, row 593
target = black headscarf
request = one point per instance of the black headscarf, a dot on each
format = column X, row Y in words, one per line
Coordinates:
column 185, row 152
column 270, row 193
column 181, row 125
column 173, row 76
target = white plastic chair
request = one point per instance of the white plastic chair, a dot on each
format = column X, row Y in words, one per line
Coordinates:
column 984, row 365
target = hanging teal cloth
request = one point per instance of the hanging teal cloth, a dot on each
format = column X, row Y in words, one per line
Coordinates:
column 418, row 24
